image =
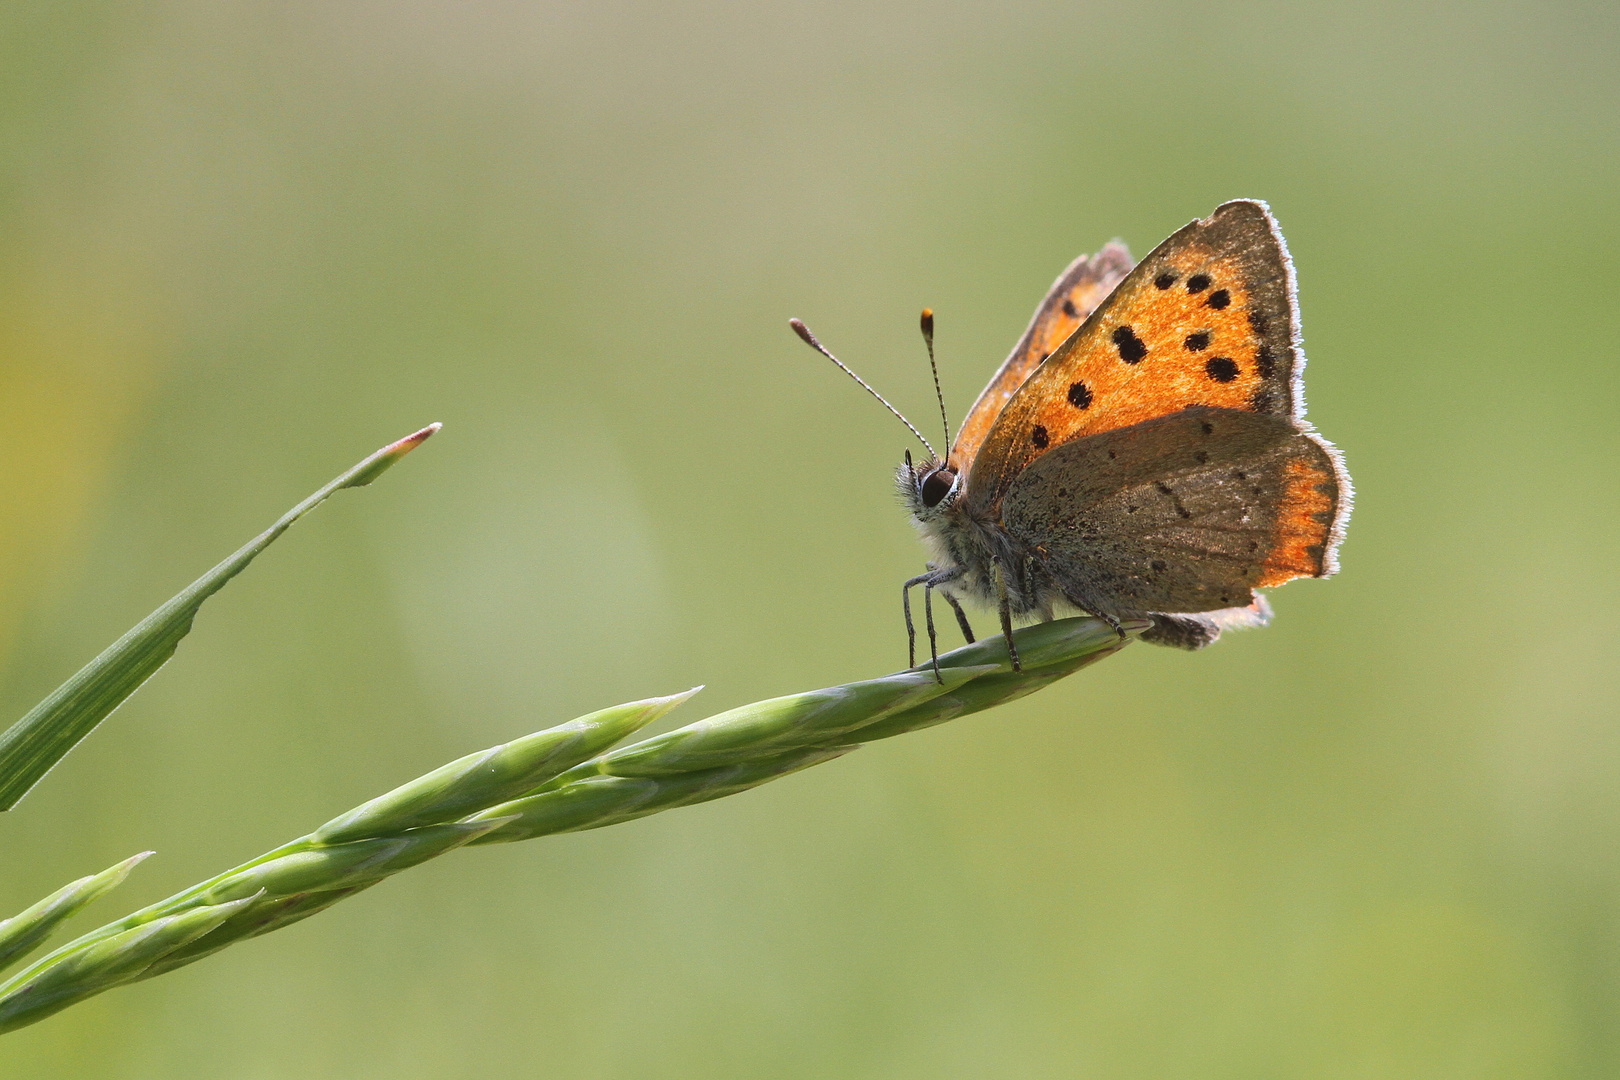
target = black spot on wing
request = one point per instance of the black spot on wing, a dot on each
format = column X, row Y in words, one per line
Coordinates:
column 1070, row 310
column 1219, row 299
column 1131, row 348
column 1197, row 342
column 1175, row 500
column 1080, row 395
column 1164, row 280
column 1040, row 438
column 1198, row 283
column 1221, row 368
column 1266, row 361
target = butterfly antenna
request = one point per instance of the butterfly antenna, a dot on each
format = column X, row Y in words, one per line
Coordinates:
column 939, row 395
column 810, row 339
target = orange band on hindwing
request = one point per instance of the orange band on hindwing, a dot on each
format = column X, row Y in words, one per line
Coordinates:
column 1303, row 544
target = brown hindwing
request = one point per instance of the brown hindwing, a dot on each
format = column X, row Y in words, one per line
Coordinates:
column 1075, row 294
column 1208, row 318
column 1184, row 513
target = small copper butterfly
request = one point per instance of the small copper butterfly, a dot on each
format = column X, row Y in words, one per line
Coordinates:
column 1143, row 453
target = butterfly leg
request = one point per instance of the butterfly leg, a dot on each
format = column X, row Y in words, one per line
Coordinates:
column 936, row 579
column 1091, row 608
column 905, row 604
column 929, row 581
column 1006, row 615
column 933, row 638
column 961, row 616
column 1030, row 590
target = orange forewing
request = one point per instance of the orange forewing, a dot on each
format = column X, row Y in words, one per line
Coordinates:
column 1075, row 294
column 1143, row 353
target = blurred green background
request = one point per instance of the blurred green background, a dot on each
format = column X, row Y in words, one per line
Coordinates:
column 243, row 245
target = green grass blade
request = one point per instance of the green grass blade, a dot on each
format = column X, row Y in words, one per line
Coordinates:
column 319, row 868
column 757, row 743
column 52, row 985
column 766, row 727
column 22, row 933
column 502, row 772
column 593, row 802
column 249, row 921
column 537, row 786
column 32, row 746
column 1047, row 652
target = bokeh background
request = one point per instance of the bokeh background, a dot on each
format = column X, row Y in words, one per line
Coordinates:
column 243, row 245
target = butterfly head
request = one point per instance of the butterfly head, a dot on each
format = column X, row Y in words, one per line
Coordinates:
column 928, row 489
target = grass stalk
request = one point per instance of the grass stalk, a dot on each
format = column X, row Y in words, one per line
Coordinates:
column 564, row 779
column 32, row 746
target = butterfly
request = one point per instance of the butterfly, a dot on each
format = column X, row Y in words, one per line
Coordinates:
column 1142, row 453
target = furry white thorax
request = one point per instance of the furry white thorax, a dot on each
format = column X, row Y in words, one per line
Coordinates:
column 958, row 541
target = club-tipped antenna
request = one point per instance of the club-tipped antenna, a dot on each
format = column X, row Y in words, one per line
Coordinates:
column 939, row 395
column 810, row 339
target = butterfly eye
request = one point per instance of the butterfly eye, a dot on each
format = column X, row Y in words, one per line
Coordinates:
column 935, row 486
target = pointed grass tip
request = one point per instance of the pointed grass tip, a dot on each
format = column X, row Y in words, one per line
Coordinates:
column 114, row 875
column 670, row 702
column 380, row 462
column 132, row 862
column 411, row 442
